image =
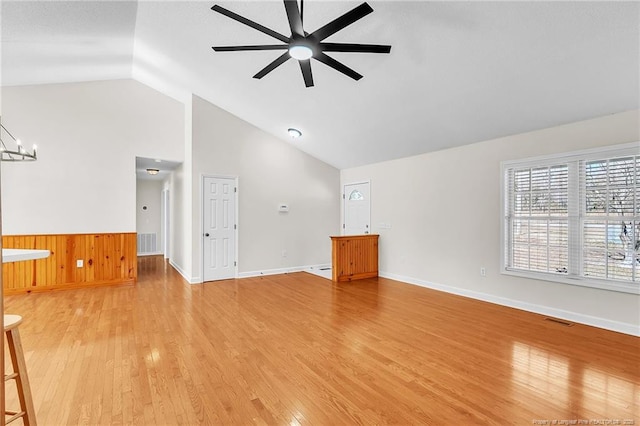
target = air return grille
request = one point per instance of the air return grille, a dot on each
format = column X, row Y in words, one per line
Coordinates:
column 147, row 244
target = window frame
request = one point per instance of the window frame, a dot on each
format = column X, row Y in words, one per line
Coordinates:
column 575, row 216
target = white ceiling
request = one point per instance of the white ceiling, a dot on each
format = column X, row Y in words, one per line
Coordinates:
column 458, row 72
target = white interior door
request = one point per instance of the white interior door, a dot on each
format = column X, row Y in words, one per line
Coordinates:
column 357, row 209
column 219, row 228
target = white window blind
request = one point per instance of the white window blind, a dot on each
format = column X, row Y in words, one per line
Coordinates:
column 539, row 218
column 575, row 218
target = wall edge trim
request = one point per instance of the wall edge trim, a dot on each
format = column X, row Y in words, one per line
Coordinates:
column 287, row 270
column 183, row 273
column 611, row 325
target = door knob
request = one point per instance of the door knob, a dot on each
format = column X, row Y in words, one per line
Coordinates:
column 206, row 235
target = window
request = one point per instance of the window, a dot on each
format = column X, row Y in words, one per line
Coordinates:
column 356, row 195
column 575, row 218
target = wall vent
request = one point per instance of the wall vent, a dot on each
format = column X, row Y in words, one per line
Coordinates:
column 559, row 321
column 147, row 244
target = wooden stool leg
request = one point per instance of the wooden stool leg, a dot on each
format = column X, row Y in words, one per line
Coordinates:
column 22, row 380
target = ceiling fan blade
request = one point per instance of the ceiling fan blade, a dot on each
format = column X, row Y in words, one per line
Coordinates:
column 338, row 66
column 305, row 66
column 242, row 48
column 273, row 65
column 295, row 19
column 250, row 23
column 339, row 23
column 358, row 48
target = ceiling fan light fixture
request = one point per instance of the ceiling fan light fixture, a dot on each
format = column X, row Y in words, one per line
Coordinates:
column 294, row 133
column 300, row 52
column 302, row 45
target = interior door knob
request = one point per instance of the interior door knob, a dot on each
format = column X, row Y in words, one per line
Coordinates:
column 206, row 235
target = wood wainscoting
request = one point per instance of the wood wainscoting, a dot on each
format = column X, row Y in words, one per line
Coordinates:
column 107, row 259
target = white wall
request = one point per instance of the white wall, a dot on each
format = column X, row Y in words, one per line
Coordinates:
column 149, row 219
column 444, row 209
column 180, row 223
column 270, row 171
column 180, row 246
column 88, row 136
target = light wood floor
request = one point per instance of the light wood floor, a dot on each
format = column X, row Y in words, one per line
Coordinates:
column 298, row 349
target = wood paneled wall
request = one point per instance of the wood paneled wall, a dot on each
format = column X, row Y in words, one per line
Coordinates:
column 108, row 259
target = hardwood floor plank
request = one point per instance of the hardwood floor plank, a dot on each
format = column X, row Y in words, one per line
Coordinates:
column 299, row 349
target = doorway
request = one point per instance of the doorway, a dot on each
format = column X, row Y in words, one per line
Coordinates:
column 219, row 228
column 357, row 208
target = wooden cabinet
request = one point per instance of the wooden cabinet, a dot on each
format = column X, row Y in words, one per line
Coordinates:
column 354, row 257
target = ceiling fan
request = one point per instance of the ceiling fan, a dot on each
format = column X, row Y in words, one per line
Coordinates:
column 302, row 45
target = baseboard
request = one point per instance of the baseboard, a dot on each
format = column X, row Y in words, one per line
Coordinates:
column 264, row 272
column 277, row 271
column 250, row 274
column 604, row 323
column 320, row 266
column 149, row 254
column 188, row 279
column 104, row 283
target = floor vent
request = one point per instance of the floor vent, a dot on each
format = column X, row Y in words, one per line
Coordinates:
column 559, row 321
column 147, row 243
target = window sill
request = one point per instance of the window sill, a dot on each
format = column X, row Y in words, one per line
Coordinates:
column 619, row 286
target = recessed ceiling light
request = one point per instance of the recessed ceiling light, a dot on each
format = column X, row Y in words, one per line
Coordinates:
column 158, row 161
column 294, row 133
column 300, row 52
column 153, row 171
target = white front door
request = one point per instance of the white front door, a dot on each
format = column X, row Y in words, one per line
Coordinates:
column 219, row 228
column 357, row 209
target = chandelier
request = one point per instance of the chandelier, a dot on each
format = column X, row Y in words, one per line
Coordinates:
column 13, row 150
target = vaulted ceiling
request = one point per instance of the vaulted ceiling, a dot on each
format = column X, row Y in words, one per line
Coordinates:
column 458, row 72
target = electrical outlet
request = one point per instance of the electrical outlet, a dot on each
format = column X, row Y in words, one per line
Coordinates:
column 79, row 263
column 284, row 253
column 483, row 271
